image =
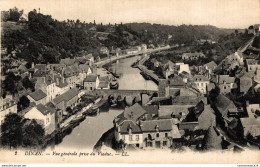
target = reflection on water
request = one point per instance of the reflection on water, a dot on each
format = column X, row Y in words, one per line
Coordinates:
column 91, row 129
column 130, row 78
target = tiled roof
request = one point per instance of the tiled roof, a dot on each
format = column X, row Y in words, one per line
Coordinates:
column 176, row 81
column 176, row 110
column 151, row 109
column 134, row 112
column 90, row 78
column 38, row 95
column 45, row 110
column 127, row 125
column 211, row 65
column 199, row 78
column 223, row 104
column 225, row 78
column 152, row 125
column 245, row 84
column 186, row 100
column 66, row 96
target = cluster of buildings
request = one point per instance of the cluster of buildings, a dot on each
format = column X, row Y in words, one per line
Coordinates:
column 57, row 88
column 185, row 104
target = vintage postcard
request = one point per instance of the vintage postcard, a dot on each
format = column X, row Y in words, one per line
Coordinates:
column 130, row 82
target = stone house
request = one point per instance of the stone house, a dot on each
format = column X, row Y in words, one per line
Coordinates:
column 201, row 83
column 43, row 115
column 91, row 82
column 192, row 56
column 47, row 85
column 226, row 83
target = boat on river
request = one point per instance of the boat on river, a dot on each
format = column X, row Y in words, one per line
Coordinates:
column 78, row 118
column 92, row 111
column 114, row 84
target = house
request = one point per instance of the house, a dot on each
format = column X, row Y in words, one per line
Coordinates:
column 135, row 126
column 70, row 73
column 203, row 114
column 226, row 83
column 43, row 115
column 210, row 66
column 158, row 133
column 47, row 85
column 245, row 83
column 7, row 106
column 192, row 56
column 201, row 83
column 252, row 65
column 251, row 126
column 223, row 107
column 183, row 68
column 61, row 85
column 91, row 82
column 38, row 97
column 235, row 59
column 67, row 99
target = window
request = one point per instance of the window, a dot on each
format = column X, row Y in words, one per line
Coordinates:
column 137, row 138
column 47, row 121
column 201, row 84
column 166, row 134
column 130, row 137
column 123, row 137
column 157, row 135
column 164, row 143
column 225, row 87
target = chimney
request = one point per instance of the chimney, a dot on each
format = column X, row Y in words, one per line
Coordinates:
column 247, row 103
column 32, row 64
column 62, row 79
column 57, row 81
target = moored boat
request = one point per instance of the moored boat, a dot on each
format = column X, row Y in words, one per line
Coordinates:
column 114, row 84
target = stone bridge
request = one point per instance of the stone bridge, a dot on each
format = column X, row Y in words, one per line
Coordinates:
column 124, row 94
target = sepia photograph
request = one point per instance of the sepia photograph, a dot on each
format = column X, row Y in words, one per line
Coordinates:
column 130, row 82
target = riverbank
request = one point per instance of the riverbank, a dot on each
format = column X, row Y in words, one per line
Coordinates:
column 106, row 139
column 71, row 121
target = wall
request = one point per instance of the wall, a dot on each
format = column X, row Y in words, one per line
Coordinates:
column 159, row 139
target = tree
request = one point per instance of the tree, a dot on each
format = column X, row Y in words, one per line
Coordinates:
column 12, row 130
column 27, row 83
column 10, row 83
column 15, row 14
column 33, row 134
column 23, row 103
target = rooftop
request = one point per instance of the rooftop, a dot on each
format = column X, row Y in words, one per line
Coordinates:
column 38, row 95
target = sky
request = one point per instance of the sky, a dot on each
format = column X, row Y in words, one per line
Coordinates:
column 220, row 13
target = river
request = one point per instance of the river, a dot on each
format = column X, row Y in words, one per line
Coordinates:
column 86, row 135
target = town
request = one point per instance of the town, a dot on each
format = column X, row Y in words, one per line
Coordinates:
column 202, row 98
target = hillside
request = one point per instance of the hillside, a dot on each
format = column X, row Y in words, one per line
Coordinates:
column 43, row 39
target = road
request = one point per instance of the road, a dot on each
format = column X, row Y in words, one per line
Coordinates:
column 114, row 58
